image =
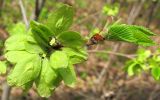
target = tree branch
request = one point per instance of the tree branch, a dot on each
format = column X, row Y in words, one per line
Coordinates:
column 38, row 7
column 23, row 13
column 2, row 58
column 113, row 53
column 6, row 91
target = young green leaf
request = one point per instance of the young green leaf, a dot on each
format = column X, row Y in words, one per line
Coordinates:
column 120, row 33
column 34, row 48
column 42, row 30
column 40, row 33
column 155, row 71
column 68, row 75
column 26, row 70
column 143, row 55
column 61, row 19
column 27, row 86
column 18, row 28
column 142, row 29
column 59, row 59
column 3, row 67
column 16, row 42
column 129, row 33
column 46, row 82
column 71, row 39
column 16, row 56
column 143, row 39
column 133, row 68
column 76, row 55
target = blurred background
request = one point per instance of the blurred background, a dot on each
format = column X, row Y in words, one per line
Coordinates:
column 102, row 76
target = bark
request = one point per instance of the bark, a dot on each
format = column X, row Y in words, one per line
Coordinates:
column 6, row 91
column 135, row 11
column 151, row 12
column 39, row 4
column 2, row 4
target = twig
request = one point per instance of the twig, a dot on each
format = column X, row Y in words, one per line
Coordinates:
column 2, row 58
column 104, row 70
column 6, row 87
column 38, row 7
column 6, row 91
column 23, row 13
column 153, row 92
column 113, row 53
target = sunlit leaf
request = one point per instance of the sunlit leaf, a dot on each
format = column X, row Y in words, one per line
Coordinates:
column 156, row 72
column 71, row 39
column 3, row 67
column 76, row 55
column 68, row 75
column 59, row 59
column 61, row 19
column 46, row 82
column 25, row 70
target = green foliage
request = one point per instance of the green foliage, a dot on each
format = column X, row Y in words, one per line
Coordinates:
column 41, row 34
column 3, row 67
column 111, row 10
column 138, row 64
column 18, row 28
column 71, row 39
column 59, row 59
column 25, row 71
column 1, row 43
column 81, row 3
column 46, row 82
column 45, row 54
column 145, row 61
column 76, row 55
column 61, row 19
column 130, row 33
column 68, row 75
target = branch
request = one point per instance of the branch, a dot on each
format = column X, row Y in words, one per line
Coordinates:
column 38, row 7
column 2, row 58
column 113, row 53
column 6, row 91
column 23, row 13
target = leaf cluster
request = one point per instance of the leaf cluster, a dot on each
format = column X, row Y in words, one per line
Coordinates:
column 130, row 33
column 46, row 53
column 144, row 62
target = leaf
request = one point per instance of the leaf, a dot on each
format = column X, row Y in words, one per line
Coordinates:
column 68, row 75
column 33, row 48
column 111, row 10
column 71, row 39
column 26, row 70
column 61, row 19
column 133, row 68
column 143, row 39
column 76, row 55
column 120, row 33
column 59, row 59
column 42, row 30
column 27, row 86
column 16, row 56
column 155, row 71
column 16, row 42
column 47, row 80
column 18, row 28
column 3, row 67
column 143, row 55
column 40, row 35
column 142, row 29
column 129, row 33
